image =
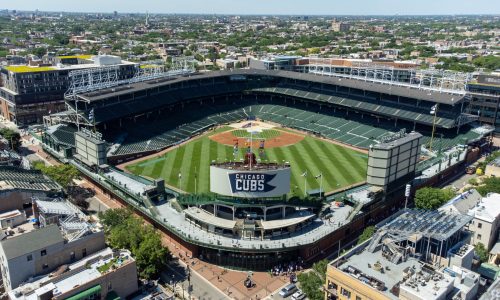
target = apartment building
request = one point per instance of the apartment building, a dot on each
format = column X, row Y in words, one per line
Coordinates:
column 30, row 92
column 58, row 235
column 410, row 257
column 486, row 223
column 106, row 274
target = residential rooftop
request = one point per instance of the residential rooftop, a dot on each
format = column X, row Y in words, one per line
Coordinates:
column 80, row 56
column 66, row 278
column 384, row 262
column 30, row 69
column 374, row 270
column 463, row 202
column 94, row 62
column 488, row 209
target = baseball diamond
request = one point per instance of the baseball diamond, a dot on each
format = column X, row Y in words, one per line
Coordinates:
column 339, row 166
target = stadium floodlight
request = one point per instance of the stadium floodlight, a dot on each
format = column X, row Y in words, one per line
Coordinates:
column 434, row 110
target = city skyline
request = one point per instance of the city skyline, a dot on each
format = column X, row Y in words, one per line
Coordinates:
column 273, row 7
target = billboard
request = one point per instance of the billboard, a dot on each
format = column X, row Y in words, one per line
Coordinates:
column 249, row 183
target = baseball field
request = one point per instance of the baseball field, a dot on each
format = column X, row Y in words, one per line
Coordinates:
column 187, row 166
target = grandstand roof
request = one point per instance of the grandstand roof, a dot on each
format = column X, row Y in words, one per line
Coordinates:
column 203, row 216
column 405, row 91
column 292, row 220
column 62, row 134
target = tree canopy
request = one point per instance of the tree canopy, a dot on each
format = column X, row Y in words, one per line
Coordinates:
column 489, row 185
column 367, row 234
column 13, row 137
column 62, row 174
column 489, row 62
column 125, row 231
column 432, row 198
column 481, row 252
column 311, row 282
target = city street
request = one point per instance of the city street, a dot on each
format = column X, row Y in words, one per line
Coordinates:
column 176, row 275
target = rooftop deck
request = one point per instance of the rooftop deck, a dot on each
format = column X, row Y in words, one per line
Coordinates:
column 77, row 274
column 307, row 235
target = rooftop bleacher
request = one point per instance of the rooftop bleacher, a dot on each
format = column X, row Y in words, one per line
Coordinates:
column 13, row 177
column 62, row 134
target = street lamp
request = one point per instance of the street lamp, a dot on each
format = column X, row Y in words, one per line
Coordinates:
column 189, row 281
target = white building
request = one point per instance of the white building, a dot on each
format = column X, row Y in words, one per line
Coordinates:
column 486, row 220
column 106, row 274
column 64, row 237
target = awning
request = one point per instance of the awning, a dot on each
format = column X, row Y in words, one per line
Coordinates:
column 87, row 293
column 112, row 296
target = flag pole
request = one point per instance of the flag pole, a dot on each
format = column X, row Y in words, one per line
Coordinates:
column 321, row 186
column 305, row 184
column 251, row 145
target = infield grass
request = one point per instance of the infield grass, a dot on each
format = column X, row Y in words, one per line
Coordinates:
column 340, row 166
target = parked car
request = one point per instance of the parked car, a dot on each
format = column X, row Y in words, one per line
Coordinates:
column 288, row 290
column 298, row 295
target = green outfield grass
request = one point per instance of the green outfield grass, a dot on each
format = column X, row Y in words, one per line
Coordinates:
column 340, row 166
column 265, row 134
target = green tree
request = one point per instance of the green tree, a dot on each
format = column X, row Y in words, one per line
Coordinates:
column 320, row 268
column 473, row 181
column 489, row 62
column 367, row 234
column 311, row 284
column 151, row 256
column 312, row 281
column 125, row 231
column 60, row 39
column 127, row 235
column 481, row 252
column 432, row 198
column 489, row 185
column 62, row 174
column 138, row 50
column 13, row 137
column 114, row 217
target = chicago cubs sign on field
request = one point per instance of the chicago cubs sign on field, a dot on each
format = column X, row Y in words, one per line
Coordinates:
column 249, row 183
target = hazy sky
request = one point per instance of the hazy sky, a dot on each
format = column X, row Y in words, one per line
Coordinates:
column 298, row 7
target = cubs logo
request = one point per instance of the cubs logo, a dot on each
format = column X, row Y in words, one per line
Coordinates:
column 251, row 182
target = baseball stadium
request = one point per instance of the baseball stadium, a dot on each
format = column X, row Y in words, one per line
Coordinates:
column 247, row 168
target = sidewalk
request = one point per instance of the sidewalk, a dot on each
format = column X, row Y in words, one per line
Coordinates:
column 228, row 281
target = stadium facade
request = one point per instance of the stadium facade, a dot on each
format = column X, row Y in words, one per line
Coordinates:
column 255, row 229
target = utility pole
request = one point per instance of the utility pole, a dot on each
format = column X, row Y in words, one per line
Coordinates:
column 189, row 281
